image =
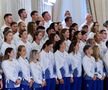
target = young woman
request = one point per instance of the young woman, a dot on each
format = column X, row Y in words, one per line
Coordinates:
column 65, row 35
column 99, row 68
column 36, row 71
column 63, row 65
column 27, row 80
column 11, row 69
column 23, row 35
column 76, row 61
column 48, row 65
column 94, row 30
column 31, row 28
column 37, row 41
column 89, row 66
column 8, row 37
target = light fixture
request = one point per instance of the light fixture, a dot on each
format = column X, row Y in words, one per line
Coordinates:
column 49, row 2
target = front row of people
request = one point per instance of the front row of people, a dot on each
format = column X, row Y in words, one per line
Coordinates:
column 51, row 71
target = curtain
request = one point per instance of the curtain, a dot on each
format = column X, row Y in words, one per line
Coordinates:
column 98, row 9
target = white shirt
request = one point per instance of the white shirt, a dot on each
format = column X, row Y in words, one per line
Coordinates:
column 105, row 60
column 90, row 35
column 27, row 46
column 47, row 24
column 68, row 42
column 47, row 62
column 81, row 46
column 100, row 68
column 16, row 38
column 6, row 45
column 30, row 38
column 62, row 61
column 76, row 62
column 25, row 68
column 3, row 27
column 36, row 46
column 89, row 66
column 36, row 71
column 11, row 70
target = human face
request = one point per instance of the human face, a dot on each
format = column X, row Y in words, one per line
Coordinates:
column 84, row 37
column 96, row 27
column 76, row 28
column 40, row 35
column 48, row 16
column 79, row 35
column 56, row 38
column 22, row 26
column 23, row 52
column 67, row 34
column 12, row 54
column 63, row 45
column 9, row 37
column 50, row 47
column 9, row 19
column 24, row 35
column 14, row 28
column 90, row 51
column 35, row 16
column 104, row 35
column 24, row 14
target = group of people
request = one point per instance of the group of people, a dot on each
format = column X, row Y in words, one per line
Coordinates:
column 45, row 55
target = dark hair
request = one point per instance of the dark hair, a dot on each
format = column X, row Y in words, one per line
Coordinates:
column 51, row 37
column 13, row 23
column 86, row 47
column 73, row 25
column 75, row 35
column 105, row 24
column 19, row 50
column 7, row 15
column 7, row 51
column 57, row 45
column 83, row 32
column 6, row 33
column 72, row 46
column 21, row 32
column 92, row 28
column 67, row 19
column 52, row 25
column 48, row 29
column 39, row 28
column 101, row 31
column 47, row 43
column 30, row 29
column 33, row 12
column 20, row 11
column 43, row 14
column 36, row 34
column 37, row 22
column 6, row 29
column 85, row 26
column 63, row 32
column 107, row 44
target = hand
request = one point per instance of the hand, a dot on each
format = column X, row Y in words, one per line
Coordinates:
column 71, row 80
column 94, row 77
column 43, row 83
column 31, row 83
column 103, row 77
column 61, row 81
column 18, row 81
column 57, row 82
column 1, row 84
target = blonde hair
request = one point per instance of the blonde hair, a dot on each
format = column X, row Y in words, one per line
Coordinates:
column 96, row 54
